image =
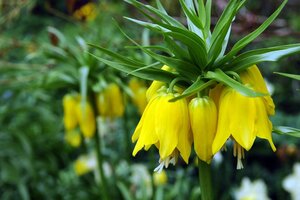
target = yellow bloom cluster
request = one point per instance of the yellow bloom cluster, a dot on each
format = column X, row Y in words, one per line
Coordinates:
column 77, row 113
column 110, row 102
column 139, row 90
column 207, row 121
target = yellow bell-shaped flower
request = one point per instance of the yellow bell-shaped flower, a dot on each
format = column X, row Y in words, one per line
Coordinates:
column 253, row 77
column 69, row 106
column 86, row 118
column 73, row 138
column 165, row 124
column 203, row 115
column 110, row 101
column 243, row 118
column 139, row 94
column 156, row 85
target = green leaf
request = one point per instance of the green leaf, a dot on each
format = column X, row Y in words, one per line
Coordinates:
column 293, row 76
column 222, row 30
column 163, row 16
column 160, row 7
column 225, row 18
column 208, row 18
column 220, row 76
column 117, row 56
column 249, row 38
column 192, row 16
column 270, row 54
column 184, row 68
column 126, row 194
column 148, row 74
column 202, row 12
column 178, row 51
column 197, row 51
column 285, row 130
column 196, row 87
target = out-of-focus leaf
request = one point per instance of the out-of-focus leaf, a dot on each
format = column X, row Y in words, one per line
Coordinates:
column 285, row 130
column 293, row 76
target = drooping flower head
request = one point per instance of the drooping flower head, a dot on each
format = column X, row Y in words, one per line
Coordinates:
column 165, row 124
column 203, row 119
column 244, row 118
column 110, row 101
column 139, row 90
column 86, row 118
column 69, row 106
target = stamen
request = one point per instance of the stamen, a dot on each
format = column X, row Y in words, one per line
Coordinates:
column 238, row 152
column 165, row 163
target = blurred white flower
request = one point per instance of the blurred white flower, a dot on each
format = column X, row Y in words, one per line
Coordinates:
column 292, row 183
column 255, row 190
column 141, row 180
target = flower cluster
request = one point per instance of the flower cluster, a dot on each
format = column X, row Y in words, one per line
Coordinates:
column 79, row 112
column 207, row 120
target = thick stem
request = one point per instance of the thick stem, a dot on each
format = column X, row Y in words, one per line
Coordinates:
column 205, row 180
column 100, row 167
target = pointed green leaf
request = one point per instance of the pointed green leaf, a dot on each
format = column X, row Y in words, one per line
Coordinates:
column 191, row 15
column 117, row 56
column 178, row 51
column 166, row 18
column 208, row 18
column 220, row 76
column 148, row 74
column 293, row 76
column 284, row 130
column 249, row 38
column 161, row 7
column 270, row 54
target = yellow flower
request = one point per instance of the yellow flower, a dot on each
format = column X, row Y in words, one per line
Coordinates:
column 139, row 94
column 243, row 118
column 110, row 101
column 86, row 118
column 215, row 93
column 203, row 114
column 165, row 124
column 156, row 85
column 88, row 12
column 73, row 138
column 69, row 105
column 160, row 178
column 253, row 77
column 85, row 164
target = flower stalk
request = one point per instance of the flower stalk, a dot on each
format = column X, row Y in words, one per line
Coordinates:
column 205, row 180
column 99, row 154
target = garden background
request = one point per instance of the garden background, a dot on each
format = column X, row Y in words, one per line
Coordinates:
column 43, row 43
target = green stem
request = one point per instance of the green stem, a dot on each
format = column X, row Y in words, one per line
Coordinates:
column 103, row 185
column 205, row 180
column 100, row 166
